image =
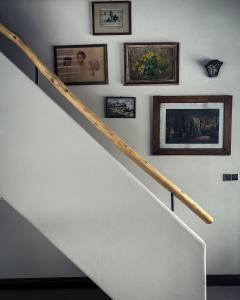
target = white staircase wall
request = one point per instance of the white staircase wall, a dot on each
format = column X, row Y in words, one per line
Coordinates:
column 88, row 204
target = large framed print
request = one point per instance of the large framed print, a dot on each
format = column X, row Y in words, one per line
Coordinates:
column 81, row 64
column 151, row 63
column 111, row 17
column 192, row 125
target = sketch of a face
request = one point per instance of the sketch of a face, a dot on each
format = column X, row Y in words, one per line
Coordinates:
column 94, row 65
column 81, row 56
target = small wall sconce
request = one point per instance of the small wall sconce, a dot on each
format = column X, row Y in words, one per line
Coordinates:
column 213, row 67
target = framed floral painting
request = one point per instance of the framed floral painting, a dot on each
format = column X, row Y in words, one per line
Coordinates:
column 151, row 63
column 192, row 125
column 81, row 64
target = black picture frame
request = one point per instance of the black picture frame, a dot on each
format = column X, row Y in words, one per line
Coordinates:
column 120, row 107
column 74, row 64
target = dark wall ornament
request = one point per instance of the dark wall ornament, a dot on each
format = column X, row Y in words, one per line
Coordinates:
column 213, row 67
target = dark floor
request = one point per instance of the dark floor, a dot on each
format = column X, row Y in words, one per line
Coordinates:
column 51, row 294
column 213, row 293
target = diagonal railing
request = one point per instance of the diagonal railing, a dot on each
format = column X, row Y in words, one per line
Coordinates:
column 104, row 129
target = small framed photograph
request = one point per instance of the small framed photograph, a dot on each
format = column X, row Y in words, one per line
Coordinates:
column 151, row 63
column 120, row 107
column 192, row 125
column 82, row 64
column 111, row 17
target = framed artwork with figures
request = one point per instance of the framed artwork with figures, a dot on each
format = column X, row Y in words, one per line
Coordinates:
column 120, row 107
column 111, row 17
column 192, row 125
column 81, row 64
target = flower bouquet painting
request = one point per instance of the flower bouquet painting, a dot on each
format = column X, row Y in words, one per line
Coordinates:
column 151, row 63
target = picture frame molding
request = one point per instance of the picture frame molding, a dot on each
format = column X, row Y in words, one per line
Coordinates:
column 104, row 46
column 118, row 97
column 227, row 125
column 134, row 82
column 129, row 32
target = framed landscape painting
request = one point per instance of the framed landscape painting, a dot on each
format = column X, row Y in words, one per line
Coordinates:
column 192, row 125
column 120, row 107
column 81, row 64
column 151, row 63
column 111, row 17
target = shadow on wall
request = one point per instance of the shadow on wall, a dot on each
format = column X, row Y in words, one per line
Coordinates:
column 14, row 15
column 20, row 17
column 26, row 253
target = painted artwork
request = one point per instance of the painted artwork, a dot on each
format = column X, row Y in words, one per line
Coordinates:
column 82, row 64
column 111, row 17
column 155, row 63
column 192, row 126
column 120, row 107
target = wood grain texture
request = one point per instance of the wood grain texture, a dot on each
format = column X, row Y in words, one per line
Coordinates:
column 104, row 129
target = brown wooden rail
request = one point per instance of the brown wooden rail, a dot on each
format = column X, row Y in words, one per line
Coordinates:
column 104, row 129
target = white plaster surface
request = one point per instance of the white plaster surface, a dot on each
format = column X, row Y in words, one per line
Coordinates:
column 85, row 202
column 205, row 29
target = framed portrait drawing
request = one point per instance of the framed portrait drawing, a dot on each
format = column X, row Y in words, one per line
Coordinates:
column 111, row 17
column 151, row 63
column 81, row 64
column 192, row 125
column 120, row 107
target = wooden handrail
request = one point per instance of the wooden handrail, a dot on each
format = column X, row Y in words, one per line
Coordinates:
column 104, row 129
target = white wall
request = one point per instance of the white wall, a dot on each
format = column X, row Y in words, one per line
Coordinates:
column 88, row 205
column 26, row 253
column 205, row 29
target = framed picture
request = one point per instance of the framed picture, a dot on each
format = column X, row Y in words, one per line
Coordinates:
column 82, row 64
column 192, row 125
column 151, row 63
column 111, row 17
column 120, row 107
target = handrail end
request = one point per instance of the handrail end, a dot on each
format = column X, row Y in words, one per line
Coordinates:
column 209, row 219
